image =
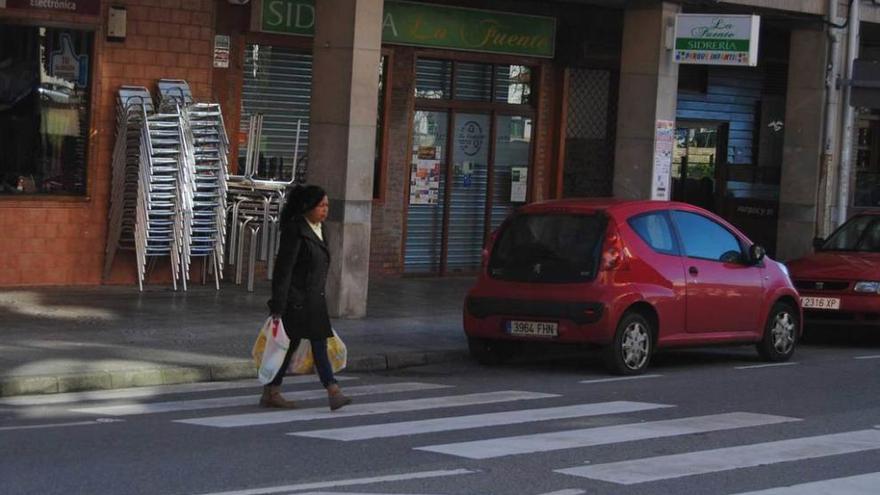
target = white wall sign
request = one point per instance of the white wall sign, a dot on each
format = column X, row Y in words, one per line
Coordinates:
column 664, row 142
column 519, row 184
column 716, row 39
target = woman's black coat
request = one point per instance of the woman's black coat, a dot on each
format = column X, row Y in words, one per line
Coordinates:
column 298, row 282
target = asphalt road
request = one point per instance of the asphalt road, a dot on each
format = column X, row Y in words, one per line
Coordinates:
column 710, row 421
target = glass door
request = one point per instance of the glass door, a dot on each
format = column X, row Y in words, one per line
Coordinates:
column 510, row 165
column 467, row 195
column 428, row 170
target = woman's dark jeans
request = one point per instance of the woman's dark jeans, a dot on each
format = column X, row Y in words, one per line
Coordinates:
column 322, row 362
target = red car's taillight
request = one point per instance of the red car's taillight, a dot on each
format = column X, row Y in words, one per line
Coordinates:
column 614, row 253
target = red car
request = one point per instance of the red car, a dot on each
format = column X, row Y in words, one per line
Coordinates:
column 631, row 277
column 840, row 282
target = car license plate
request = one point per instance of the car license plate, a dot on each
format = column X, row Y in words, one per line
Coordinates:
column 820, row 302
column 532, row 328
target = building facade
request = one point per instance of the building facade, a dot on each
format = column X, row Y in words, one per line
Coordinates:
column 428, row 122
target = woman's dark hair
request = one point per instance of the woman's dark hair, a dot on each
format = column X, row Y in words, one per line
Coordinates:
column 300, row 200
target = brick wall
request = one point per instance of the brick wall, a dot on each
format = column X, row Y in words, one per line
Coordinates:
column 388, row 222
column 61, row 241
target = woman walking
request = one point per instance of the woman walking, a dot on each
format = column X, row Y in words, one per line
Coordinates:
column 298, row 293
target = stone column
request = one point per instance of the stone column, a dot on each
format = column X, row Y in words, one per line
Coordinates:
column 648, row 92
column 345, row 84
column 802, row 151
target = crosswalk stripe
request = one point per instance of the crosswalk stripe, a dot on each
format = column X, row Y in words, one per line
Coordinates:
column 213, row 403
column 725, row 459
column 136, row 392
column 619, row 378
column 769, row 365
column 267, row 418
column 865, row 484
column 420, row 475
column 587, row 437
column 404, row 428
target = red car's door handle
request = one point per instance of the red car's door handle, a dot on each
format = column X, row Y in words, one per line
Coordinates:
column 693, row 271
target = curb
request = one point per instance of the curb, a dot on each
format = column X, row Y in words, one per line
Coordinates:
column 175, row 375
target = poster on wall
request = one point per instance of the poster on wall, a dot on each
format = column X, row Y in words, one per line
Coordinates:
column 424, row 184
column 664, row 143
column 519, row 181
column 221, row 51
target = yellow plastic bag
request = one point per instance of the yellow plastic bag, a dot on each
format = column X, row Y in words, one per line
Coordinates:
column 303, row 362
column 337, row 352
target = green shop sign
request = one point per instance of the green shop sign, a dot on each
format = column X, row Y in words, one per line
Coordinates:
column 713, row 39
column 420, row 24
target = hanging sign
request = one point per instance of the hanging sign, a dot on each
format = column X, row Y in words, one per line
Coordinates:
column 87, row 7
column 664, row 141
column 419, row 24
column 715, row 39
column 65, row 64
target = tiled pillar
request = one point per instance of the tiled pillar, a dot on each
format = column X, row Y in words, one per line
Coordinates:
column 802, row 151
column 648, row 92
column 345, row 86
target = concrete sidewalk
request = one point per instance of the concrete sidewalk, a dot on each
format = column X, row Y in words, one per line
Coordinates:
column 72, row 339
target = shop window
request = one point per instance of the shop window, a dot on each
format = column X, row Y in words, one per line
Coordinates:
column 278, row 85
column 513, row 84
column 473, row 82
column 434, row 79
column 45, row 81
column 476, row 82
column 867, row 156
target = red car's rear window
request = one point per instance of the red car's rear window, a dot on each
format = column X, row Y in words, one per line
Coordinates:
column 549, row 248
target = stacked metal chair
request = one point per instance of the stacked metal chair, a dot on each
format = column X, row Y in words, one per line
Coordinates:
column 209, row 146
column 160, row 229
column 132, row 103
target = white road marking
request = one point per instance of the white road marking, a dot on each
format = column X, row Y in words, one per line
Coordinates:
column 350, row 482
column 865, row 484
column 570, row 439
column 769, row 365
column 620, row 378
column 217, row 402
column 136, row 392
column 571, row 491
column 875, row 356
column 725, row 459
column 385, row 430
column 100, row 421
column 268, row 418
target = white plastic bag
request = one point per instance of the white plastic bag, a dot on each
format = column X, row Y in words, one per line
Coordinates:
column 276, row 347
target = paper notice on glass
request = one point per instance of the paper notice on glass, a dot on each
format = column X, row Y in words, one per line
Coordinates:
column 424, row 186
column 664, row 143
column 519, row 181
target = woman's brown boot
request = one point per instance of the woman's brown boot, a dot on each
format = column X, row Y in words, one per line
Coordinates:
column 272, row 398
column 336, row 398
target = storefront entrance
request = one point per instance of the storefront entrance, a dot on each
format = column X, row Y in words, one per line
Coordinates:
column 699, row 161
column 464, row 183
